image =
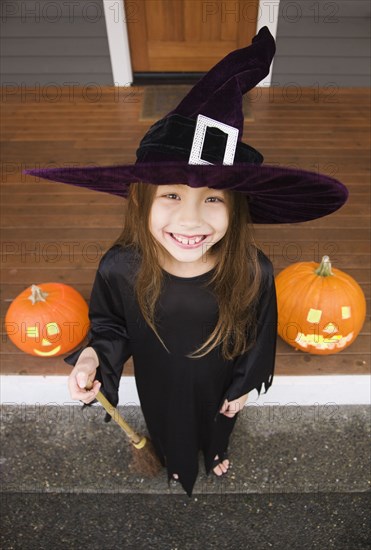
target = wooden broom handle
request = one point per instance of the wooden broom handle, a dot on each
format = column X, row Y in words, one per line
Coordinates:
column 133, row 436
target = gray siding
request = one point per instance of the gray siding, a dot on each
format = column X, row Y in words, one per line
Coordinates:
column 323, row 43
column 45, row 42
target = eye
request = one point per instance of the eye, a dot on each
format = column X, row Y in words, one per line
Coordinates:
column 169, row 195
column 218, row 199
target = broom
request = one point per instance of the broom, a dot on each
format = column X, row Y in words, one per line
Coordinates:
column 144, row 458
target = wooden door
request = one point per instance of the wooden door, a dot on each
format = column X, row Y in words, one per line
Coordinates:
column 187, row 35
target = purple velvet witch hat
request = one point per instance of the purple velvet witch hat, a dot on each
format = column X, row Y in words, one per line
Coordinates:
column 199, row 143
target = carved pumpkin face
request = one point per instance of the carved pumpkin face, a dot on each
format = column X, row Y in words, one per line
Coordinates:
column 47, row 320
column 321, row 310
column 325, row 334
column 47, row 347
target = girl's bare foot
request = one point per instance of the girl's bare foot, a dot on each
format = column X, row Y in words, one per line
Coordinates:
column 219, row 470
column 222, row 467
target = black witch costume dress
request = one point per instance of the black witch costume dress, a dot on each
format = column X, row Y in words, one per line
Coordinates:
column 180, row 396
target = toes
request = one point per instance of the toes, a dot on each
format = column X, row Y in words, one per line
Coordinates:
column 222, row 467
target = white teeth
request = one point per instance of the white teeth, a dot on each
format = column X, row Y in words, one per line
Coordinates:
column 183, row 240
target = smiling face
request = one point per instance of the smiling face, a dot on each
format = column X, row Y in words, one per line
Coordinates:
column 188, row 222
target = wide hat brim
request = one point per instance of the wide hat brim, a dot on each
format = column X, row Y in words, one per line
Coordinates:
column 275, row 194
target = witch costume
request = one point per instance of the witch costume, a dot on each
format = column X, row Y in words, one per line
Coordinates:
column 199, row 144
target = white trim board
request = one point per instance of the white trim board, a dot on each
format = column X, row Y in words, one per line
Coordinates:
column 23, row 390
column 268, row 11
column 118, row 42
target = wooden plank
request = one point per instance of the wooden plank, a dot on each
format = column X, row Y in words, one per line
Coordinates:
column 347, row 96
column 359, row 346
column 45, row 191
column 342, row 79
column 106, row 133
column 9, row 292
column 291, row 363
column 75, row 275
column 192, row 26
column 44, row 47
column 23, row 364
column 344, row 28
column 37, row 243
column 317, row 66
column 356, row 200
column 182, row 56
column 37, row 9
column 165, row 21
column 75, row 219
column 212, row 25
column 68, row 256
column 69, row 235
column 247, row 16
column 353, row 214
column 46, row 66
column 15, row 28
column 315, row 48
column 325, row 12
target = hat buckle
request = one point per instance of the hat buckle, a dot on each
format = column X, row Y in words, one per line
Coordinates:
column 202, row 124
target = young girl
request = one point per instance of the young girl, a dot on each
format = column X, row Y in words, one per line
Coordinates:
column 185, row 290
column 194, row 251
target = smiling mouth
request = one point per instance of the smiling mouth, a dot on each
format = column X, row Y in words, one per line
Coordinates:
column 47, row 353
column 187, row 241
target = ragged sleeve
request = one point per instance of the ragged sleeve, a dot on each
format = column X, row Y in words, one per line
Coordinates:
column 256, row 366
column 107, row 336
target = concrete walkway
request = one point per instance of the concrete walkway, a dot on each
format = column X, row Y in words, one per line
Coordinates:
column 299, row 479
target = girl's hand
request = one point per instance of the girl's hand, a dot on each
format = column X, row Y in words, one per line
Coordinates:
column 230, row 408
column 82, row 375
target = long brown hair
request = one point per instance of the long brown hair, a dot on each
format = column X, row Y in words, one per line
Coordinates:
column 235, row 282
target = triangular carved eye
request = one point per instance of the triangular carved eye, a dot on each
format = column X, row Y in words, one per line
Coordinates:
column 331, row 328
column 204, row 122
column 45, row 342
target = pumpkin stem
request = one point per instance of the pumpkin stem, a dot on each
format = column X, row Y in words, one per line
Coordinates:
column 37, row 295
column 324, row 269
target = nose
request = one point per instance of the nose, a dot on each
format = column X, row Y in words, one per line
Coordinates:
column 190, row 215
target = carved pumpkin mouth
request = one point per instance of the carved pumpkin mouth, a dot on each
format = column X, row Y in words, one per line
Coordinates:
column 318, row 341
column 46, row 353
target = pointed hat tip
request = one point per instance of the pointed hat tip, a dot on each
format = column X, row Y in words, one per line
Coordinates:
column 218, row 94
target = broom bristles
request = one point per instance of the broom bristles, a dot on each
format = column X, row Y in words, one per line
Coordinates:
column 145, row 460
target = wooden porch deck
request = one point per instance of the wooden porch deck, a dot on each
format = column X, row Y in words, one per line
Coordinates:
column 57, row 233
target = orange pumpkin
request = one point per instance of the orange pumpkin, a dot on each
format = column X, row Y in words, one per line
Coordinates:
column 47, row 320
column 321, row 309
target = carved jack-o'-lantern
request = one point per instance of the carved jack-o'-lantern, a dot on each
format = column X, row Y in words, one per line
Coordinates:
column 47, row 320
column 321, row 309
